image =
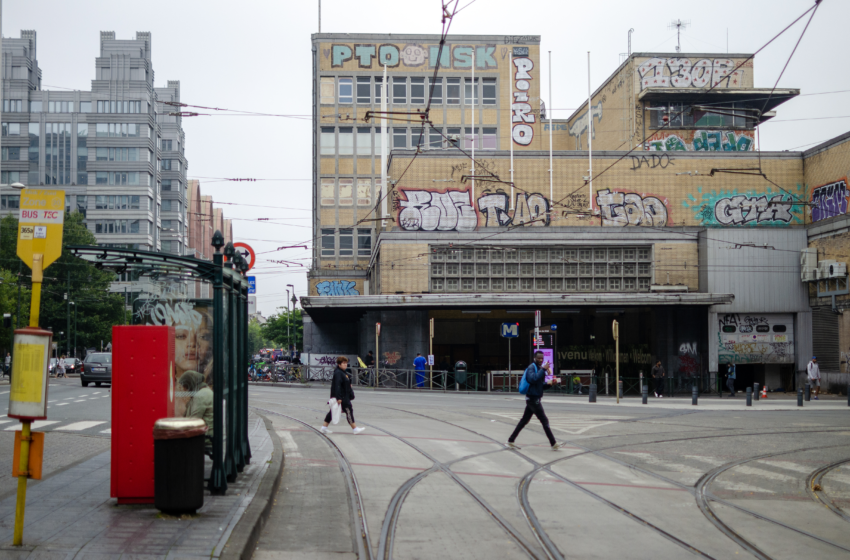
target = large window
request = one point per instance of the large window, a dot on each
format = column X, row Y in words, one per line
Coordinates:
column 121, row 178
column 167, row 145
column 346, row 141
column 489, row 139
column 364, row 192
column 453, row 91
column 60, row 106
column 119, row 106
column 36, row 106
column 9, row 177
column 684, row 115
column 327, row 194
column 364, row 90
column 399, row 138
column 470, row 91
column 118, row 154
column 435, row 88
column 550, row 270
column 364, row 242
column 364, row 141
column 326, row 91
column 57, row 149
column 346, row 242
column 346, row 90
column 488, row 91
column 82, row 153
column 13, row 106
column 12, row 129
column 328, row 243
column 120, row 226
column 417, row 91
column 399, row 90
column 118, row 202
column 379, row 89
column 328, row 141
column 346, row 192
column 12, row 153
column 10, row 201
column 117, row 130
column 32, row 154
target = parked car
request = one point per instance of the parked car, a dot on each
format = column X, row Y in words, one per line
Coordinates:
column 97, row 368
column 73, row 365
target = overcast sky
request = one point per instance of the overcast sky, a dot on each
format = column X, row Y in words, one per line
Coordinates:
column 255, row 56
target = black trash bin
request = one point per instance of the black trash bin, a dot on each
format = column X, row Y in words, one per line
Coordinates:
column 178, row 456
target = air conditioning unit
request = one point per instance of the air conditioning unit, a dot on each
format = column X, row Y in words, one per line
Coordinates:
column 837, row 270
column 824, row 268
column 808, row 264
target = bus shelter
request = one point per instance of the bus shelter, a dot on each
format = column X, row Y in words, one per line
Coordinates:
column 229, row 349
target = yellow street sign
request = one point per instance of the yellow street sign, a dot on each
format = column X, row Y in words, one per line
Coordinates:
column 40, row 225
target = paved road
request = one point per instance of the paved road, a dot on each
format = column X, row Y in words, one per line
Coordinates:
column 431, row 478
column 78, row 427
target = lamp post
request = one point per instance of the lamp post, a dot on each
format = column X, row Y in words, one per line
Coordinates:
column 294, row 303
column 75, row 329
column 288, row 341
column 68, row 327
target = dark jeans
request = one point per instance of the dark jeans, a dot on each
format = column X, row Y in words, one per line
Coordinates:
column 347, row 409
column 659, row 385
column 533, row 406
column 731, row 384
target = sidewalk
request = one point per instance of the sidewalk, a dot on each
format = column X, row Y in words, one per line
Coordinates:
column 70, row 515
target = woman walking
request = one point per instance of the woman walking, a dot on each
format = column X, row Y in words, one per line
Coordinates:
column 343, row 393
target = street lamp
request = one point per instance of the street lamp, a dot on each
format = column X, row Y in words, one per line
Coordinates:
column 289, row 317
column 75, row 329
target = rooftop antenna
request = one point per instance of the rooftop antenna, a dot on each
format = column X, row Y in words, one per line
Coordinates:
column 679, row 25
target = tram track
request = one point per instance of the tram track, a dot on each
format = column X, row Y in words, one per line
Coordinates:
column 702, row 492
column 815, row 480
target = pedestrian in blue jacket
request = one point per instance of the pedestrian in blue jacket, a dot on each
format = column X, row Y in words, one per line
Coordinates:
column 535, row 375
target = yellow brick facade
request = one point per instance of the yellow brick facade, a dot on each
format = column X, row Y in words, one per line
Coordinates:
column 403, row 268
column 676, row 264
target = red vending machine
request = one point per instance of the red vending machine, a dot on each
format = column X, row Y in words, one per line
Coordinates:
column 143, row 387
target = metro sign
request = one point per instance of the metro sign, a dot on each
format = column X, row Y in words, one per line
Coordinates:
column 510, row 330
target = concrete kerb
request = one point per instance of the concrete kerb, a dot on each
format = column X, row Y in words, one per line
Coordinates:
column 246, row 534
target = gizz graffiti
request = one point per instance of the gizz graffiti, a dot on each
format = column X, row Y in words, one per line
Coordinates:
column 630, row 209
column 425, row 210
column 830, row 200
column 337, row 288
column 523, row 116
column 532, row 209
column 730, row 208
column 581, row 124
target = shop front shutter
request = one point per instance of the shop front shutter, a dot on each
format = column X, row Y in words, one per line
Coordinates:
column 825, row 338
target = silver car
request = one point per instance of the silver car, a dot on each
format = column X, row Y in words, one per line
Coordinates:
column 97, row 368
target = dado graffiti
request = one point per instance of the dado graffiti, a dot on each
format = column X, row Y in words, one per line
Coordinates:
column 580, row 125
column 337, row 288
column 830, row 200
column 631, row 209
column 683, row 73
column 730, row 208
column 702, row 141
column 523, row 116
column 412, row 55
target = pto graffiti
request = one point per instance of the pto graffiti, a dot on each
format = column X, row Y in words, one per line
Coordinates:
column 581, row 124
column 532, row 209
column 830, row 200
column 630, row 209
column 424, row 210
column 682, row 73
column 703, row 141
column 730, row 208
column 458, row 57
column 523, row 117
column 337, row 288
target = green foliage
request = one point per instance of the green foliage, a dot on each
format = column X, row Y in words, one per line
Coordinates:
column 9, row 304
column 97, row 310
column 256, row 340
column 276, row 331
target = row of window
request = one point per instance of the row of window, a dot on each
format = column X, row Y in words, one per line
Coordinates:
column 404, row 90
column 347, row 141
column 20, row 106
column 120, row 154
column 106, row 73
column 341, row 242
column 121, row 178
column 172, row 226
column 543, row 269
column 119, row 202
column 547, row 285
column 684, row 115
column 171, row 206
column 104, row 130
column 329, row 195
column 558, row 255
column 121, row 226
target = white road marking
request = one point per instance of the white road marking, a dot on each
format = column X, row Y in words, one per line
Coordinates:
column 739, row 487
column 4, row 421
column 77, row 426
column 4, row 392
column 787, row 465
column 714, row 461
column 35, row 425
column 743, row 469
column 69, row 398
column 97, row 393
column 63, row 404
column 571, row 425
column 81, row 400
column 652, row 459
column 107, row 431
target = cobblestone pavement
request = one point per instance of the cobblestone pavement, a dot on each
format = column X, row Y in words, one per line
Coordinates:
column 431, row 478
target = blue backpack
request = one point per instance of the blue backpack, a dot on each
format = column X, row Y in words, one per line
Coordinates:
column 523, row 384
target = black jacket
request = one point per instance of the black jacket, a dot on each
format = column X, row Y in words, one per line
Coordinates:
column 341, row 387
column 536, row 377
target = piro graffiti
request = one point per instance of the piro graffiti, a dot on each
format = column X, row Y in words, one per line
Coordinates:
column 830, row 200
column 631, row 209
column 523, row 117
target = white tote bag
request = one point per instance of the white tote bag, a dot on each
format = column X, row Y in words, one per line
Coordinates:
column 335, row 410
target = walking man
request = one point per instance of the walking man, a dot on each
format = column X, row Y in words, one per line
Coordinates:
column 419, row 364
column 535, row 375
column 813, row 370
column 658, row 377
column 730, row 379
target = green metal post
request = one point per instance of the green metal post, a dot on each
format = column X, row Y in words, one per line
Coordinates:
column 218, row 479
column 243, row 377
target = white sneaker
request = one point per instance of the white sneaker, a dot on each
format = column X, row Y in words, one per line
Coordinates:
column 358, row 430
column 512, row 445
column 660, row 396
column 556, row 447
column 325, row 430
column 656, row 395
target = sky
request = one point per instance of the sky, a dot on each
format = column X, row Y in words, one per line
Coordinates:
column 256, row 56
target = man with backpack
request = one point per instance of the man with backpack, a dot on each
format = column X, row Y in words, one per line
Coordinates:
column 532, row 385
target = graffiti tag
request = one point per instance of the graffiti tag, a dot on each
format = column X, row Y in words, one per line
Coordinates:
column 652, row 162
column 742, row 209
column 703, row 141
column 392, row 358
column 630, row 209
column 683, row 73
column 442, row 211
column 581, row 124
column 337, row 288
column 830, row 200
column 530, row 208
column 523, row 117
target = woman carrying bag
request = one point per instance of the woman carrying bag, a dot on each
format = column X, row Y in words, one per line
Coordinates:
column 343, row 394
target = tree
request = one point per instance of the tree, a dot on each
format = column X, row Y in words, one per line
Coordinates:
column 97, row 310
column 256, row 340
column 9, row 304
column 276, row 331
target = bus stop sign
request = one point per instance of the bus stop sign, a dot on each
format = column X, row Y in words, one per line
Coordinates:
column 40, row 225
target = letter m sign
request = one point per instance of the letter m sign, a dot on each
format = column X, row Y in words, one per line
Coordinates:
column 510, row 330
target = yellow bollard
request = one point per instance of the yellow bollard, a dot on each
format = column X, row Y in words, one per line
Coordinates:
column 23, row 473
